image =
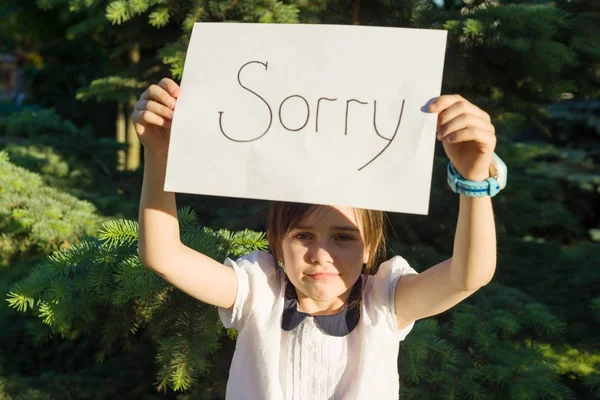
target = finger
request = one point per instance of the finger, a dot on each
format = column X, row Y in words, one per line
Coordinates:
column 461, row 107
column 464, row 121
column 144, row 117
column 444, row 101
column 159, row 94
column 484, row 139
column 170, row 86
column 154, row 107
column 455, row 102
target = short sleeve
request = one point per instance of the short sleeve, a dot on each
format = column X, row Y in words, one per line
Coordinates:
column 383, row 291
column 258, row 286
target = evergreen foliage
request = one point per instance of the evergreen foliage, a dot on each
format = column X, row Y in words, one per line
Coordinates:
column 67, row 157
column 63, row 375
column 490, row 347
column 35, row 217
column 45, row 127
column 519, row 55
column 99, row 287
column 112, row 88
column 577, row 122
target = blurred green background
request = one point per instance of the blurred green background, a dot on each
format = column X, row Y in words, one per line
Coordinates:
column 83, row 319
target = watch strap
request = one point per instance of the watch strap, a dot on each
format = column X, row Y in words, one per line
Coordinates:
column 458, row 184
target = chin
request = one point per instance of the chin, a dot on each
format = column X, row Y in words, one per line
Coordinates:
column 326, row 290
column 320, row 296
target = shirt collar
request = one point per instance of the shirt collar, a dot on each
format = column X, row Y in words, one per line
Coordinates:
column 339, row 324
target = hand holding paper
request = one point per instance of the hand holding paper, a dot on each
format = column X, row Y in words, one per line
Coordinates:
column 153, row 113
column 468, row 136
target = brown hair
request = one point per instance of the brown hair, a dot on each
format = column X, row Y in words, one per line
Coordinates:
column 284, row 216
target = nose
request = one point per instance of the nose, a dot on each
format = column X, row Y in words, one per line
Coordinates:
column 320, row 253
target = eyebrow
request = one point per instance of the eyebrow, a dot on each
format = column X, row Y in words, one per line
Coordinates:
column 346, row 228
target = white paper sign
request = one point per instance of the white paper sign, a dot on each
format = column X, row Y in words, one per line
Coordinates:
column 318, row 114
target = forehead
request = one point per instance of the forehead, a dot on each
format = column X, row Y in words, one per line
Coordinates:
column 332, row 215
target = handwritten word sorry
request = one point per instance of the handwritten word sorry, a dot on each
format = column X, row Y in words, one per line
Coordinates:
column 281, row 105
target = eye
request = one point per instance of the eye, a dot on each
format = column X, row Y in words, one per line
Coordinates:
column 344, row 238
column 302, row 236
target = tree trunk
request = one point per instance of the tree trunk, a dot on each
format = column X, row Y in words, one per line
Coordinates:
column 133, row 144
column 121, row 127
column 133, row 148
column 355, row 12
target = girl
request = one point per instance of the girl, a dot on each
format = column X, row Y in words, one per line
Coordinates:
column 311, row 326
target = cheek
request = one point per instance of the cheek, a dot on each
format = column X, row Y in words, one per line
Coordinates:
column 354, row 253
column 292, row 252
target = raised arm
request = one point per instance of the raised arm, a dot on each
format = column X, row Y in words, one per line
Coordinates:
column 469, row 140
column 159, row 245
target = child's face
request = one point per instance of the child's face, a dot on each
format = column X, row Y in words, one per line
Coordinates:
column 324, row 254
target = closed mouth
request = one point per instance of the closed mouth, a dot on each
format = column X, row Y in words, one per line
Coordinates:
column 323, row 275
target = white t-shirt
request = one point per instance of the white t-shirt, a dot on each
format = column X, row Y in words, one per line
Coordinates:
column 305, row 363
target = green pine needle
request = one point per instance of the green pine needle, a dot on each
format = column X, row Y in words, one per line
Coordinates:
column 159, row 17
column 19, row 302
column 119, row 233
column 118, row 12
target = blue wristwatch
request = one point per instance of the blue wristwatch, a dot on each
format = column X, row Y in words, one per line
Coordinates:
column 489, row 187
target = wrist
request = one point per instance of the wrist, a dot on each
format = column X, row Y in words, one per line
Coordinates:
column 477, row 176
column 156, row 156
column 479, row 183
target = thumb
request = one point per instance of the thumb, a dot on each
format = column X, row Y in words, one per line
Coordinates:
column 443, row 102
